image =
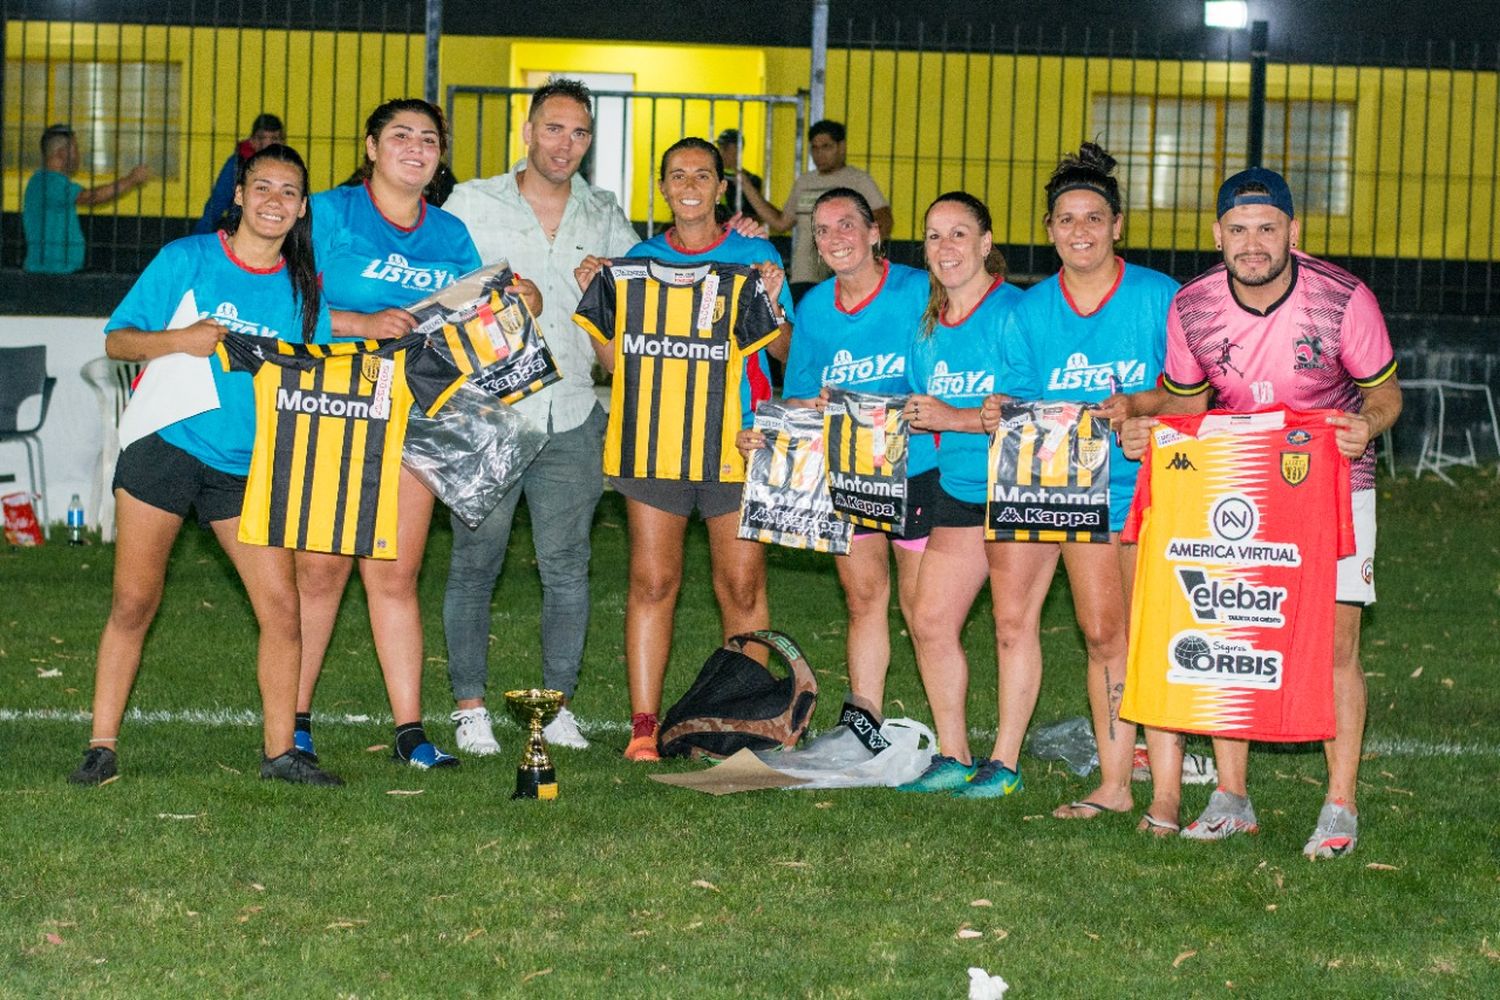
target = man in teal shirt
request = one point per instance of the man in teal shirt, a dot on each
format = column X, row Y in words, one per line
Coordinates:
column 49, row 216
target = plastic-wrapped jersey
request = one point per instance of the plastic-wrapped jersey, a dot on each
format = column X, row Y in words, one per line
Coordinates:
column 786, row 499
column 866, row 440
column 1048, row 475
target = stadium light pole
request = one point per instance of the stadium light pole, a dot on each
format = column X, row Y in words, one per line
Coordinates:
column 1233, row 15
column 819, row 60
column 434, row 33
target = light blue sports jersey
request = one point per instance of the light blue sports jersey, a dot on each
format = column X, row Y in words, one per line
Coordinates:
column 247, row 301
column 957, row 364
column 864, row 350
column 1053, row 353
column 369, row 263
column 732, row 249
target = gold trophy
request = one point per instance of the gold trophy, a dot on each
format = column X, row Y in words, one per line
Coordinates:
column 533, row 708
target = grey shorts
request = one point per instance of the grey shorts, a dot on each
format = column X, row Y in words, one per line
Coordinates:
column 680, row 496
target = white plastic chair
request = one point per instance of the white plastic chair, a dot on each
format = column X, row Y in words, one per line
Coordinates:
column 111, row 381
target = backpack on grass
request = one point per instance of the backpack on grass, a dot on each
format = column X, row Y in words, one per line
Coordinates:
column 735, row 703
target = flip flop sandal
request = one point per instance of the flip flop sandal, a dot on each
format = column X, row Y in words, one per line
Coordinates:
column 1158, row 827
column 1097, row 810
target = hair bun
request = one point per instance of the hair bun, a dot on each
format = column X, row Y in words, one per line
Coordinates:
column 1091, row 154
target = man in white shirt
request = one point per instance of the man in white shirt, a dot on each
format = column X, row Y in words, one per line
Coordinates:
column 544, row 219
column 826, row 142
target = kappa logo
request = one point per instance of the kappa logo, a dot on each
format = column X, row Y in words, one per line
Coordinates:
column 1181, row 463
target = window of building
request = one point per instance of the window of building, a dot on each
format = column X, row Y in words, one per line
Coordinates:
column 1174, row 152
column 123, row 113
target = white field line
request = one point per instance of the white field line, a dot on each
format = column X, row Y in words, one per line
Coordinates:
column 1394, row 747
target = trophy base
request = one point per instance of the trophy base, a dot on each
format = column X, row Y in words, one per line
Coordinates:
column 535, row 783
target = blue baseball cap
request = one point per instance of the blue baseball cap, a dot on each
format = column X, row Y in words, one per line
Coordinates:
column 1276, row 192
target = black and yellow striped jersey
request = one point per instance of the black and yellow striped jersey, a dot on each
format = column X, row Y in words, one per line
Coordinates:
column 786, row 499
column 1048, row 475
column 330, row 420
column 867, row 442
column 681, row 335
column 489, row 334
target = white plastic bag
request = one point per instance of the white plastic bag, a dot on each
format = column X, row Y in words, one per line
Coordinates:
column 911, row 748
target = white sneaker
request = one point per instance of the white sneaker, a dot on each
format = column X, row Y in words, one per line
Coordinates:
column 562, row 731
column 475, row 734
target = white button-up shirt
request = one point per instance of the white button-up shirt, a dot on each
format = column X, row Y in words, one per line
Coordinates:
column 503, row 226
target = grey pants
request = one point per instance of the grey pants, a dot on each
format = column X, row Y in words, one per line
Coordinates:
column 562, row 488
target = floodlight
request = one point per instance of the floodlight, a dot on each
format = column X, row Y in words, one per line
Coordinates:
column 1226, row 13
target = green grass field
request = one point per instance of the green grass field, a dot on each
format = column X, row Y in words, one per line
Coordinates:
column 190, row 877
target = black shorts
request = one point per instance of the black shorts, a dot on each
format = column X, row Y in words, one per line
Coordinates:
column 169, row 479
column 921, row 495
column 950, row 512
column 681, row 496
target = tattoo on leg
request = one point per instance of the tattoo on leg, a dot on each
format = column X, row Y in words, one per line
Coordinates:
column 1115, row 693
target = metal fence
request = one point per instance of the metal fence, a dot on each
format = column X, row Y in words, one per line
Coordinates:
column 175, row 86
column 631, row 130
column 1391, row 151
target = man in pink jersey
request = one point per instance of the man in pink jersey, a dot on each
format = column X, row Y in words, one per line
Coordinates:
column 1272, row 325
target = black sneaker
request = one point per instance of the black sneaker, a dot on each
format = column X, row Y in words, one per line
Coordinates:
column 99, row 765
column 294, row 766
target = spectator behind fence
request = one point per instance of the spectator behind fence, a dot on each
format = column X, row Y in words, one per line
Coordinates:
column 826, row 141
column 49, row 214
column 731, row 143
column 264, row 131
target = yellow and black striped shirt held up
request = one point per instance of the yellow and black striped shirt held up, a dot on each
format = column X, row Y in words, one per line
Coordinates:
column 489, row 334
column 1048, row 475
column 330, row 420
column 786, row 499
column 867, row 442
column 681, row 335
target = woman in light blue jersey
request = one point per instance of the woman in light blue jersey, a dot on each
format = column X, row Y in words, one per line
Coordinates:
column 1094, row 329
column 954, row 360
column 255, row 276
column 381, row 247
column 853, row 331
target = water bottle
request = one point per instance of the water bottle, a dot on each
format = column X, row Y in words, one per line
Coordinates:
column 75, row 521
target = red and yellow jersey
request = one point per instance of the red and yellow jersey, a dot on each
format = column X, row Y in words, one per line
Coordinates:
column 1241, row 520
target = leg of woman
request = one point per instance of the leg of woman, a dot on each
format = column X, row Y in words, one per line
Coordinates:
column 1020, row 576
column 1163, row 748
column 651, row 600
column 395, row 616
column 321, row 579
column 270, row 582
column 143, row 543
column 739, row 573
column 952, row 572
column 866, row 579
column 1099, row 604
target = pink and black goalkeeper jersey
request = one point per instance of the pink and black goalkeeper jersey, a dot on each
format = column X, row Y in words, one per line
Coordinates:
column 1315, row 349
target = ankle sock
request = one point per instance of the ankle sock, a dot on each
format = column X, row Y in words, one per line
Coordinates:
column 303, row 723
column 642, row 724
column 408, row 738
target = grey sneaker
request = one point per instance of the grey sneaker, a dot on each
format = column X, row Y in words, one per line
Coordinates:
column 1225, row 815
column 296, row 767
column 563, row 731
column 99, row 765
column 1336, row 833
column 475, row 734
